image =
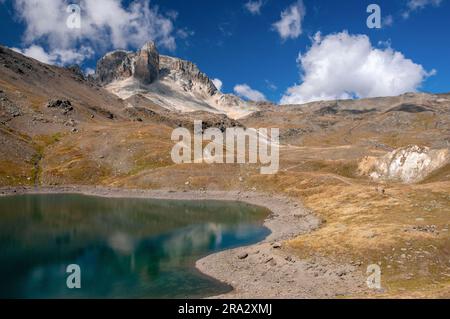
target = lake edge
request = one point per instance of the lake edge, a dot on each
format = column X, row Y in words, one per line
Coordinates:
column 288, row 217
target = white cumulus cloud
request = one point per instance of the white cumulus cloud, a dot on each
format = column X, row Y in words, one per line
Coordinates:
column 290, row 25
column 38, row 53
column 344, row 66
column 218, row 84
column 105, row 24
column 57, row 56
column 254, row 7
column 245, row 91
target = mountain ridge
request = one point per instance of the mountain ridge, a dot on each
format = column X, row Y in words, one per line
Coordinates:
column 170, row 82
column 59, row 129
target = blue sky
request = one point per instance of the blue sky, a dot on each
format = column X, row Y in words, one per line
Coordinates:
column 230, row 43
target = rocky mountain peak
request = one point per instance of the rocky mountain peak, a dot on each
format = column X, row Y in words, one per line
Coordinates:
column 119, row 65
column 150, row 46
column 187, row 75
column 169, row 82
column 146, row 64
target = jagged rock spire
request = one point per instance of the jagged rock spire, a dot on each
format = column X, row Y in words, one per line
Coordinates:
column 120, row 65
column 146, row 63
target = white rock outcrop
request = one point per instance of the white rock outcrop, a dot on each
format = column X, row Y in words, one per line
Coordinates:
column 409, row 164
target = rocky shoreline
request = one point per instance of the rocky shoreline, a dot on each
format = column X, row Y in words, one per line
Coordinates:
column 265, row 270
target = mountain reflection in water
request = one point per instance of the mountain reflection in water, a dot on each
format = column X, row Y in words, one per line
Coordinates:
column 126, row 248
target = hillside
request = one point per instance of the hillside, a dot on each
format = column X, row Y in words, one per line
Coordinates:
column 59, row 128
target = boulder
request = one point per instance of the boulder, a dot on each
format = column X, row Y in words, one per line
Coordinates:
column 243, row 256
column 64, row 105
column 276, row 245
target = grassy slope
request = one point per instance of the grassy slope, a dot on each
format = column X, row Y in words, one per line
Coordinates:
column 360, row 223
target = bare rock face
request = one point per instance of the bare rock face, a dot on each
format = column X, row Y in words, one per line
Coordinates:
column 228, row 100
column 187, row 75
column 146, row 64
column 120, row 65
column 117, row 65
column 409, row 164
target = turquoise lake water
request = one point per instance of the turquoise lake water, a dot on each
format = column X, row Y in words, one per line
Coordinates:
column 126, row 248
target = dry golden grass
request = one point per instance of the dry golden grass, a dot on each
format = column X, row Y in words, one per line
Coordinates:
column 404, row 228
